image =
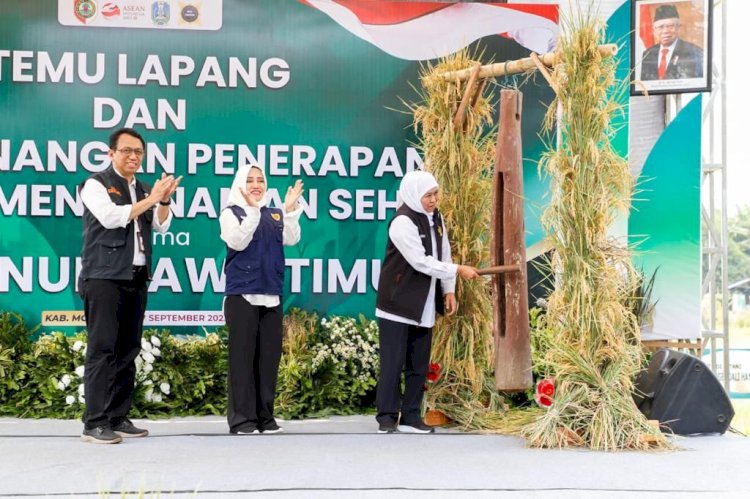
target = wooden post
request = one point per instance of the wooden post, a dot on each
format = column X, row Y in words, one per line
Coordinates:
column 510, row 290
column 467, row 98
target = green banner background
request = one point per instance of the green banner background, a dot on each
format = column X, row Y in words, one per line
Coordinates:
column 340, row 98
column 340, row 95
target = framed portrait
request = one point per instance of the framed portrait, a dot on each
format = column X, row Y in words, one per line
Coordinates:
column 670, row 46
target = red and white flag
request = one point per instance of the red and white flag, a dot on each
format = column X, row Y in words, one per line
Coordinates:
column 425, row 30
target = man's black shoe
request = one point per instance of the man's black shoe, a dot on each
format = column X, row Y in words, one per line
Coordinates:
column 245, row 430
column 271, row 427
column 387, row 427
column 415, row 427
column 127, row 429
column 100, row 435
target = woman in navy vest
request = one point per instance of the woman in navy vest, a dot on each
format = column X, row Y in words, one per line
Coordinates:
column 255, row 236
column 417, row 280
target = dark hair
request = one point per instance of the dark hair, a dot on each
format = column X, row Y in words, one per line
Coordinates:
column 127, row 131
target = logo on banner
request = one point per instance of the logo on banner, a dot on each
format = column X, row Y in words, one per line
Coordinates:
column 110, row 10
column 133, row 11
column 160, row 12
column 84, row 10
column 189, row 12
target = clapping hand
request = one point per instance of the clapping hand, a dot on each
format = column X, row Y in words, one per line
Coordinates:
column 171, row 185
column 292, row 196
column 164, row 187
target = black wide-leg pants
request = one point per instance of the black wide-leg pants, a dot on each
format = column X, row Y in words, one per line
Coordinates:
column 114, row 319
column 255, row 335
column 402, row 348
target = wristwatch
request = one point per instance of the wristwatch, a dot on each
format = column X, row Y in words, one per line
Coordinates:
column 165, row 203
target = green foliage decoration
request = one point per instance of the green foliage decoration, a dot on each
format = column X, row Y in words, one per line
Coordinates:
column 328, row 366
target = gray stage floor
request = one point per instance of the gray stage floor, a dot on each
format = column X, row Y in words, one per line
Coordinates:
column 343, row 457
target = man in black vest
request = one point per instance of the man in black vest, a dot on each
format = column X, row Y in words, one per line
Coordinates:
column 119, row 213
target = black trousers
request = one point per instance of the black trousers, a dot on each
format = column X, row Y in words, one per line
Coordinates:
column 255, row 335
column 402, row 348
column 114, row 319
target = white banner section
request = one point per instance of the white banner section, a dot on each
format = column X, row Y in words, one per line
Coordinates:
column 158, row 14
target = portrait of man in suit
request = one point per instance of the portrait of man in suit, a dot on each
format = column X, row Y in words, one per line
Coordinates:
column 671, row 57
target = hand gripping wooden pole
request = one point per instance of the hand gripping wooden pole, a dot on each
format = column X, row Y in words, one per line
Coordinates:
column 508, row 247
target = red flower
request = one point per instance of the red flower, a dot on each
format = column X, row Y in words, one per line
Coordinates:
column 545, row 389
column 543, row 400
column 433, row 373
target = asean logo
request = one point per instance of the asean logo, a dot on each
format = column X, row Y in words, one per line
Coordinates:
column 160, row 12
column 85, row 10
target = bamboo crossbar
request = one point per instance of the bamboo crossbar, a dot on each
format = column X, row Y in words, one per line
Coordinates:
column 498, row 269
column 517, row 66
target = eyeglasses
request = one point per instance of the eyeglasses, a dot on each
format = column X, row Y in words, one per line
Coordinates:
column 127, row 151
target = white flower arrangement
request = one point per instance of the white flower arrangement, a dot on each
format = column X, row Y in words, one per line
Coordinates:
column 145, row 374
column 350, row 346
column 70, row 384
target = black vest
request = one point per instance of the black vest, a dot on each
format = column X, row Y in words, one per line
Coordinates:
column 401, row 289
column 108, row 253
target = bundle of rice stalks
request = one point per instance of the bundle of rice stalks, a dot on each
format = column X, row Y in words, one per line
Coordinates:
column 461, row 159
column 595, row 353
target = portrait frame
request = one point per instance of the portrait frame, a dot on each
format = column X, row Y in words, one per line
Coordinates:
column 671, row 46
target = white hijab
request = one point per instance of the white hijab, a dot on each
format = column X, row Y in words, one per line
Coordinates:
column 414, row 185
column 240, row 182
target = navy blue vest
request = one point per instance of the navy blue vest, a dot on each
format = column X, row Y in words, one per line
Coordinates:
column 259, row 268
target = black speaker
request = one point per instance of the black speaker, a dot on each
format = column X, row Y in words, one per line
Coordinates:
column 683, row 394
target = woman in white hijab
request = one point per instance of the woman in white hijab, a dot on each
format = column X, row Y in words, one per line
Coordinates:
column 417, row 280
column 255, row 236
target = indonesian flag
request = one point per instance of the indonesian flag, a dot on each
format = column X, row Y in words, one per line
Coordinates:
column 419, row 31
column 646, row 27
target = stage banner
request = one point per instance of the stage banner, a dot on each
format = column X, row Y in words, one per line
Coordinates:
column 308, row 89
column 665, row 227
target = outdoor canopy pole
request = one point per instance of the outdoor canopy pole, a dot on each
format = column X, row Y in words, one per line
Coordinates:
column 513, row 67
